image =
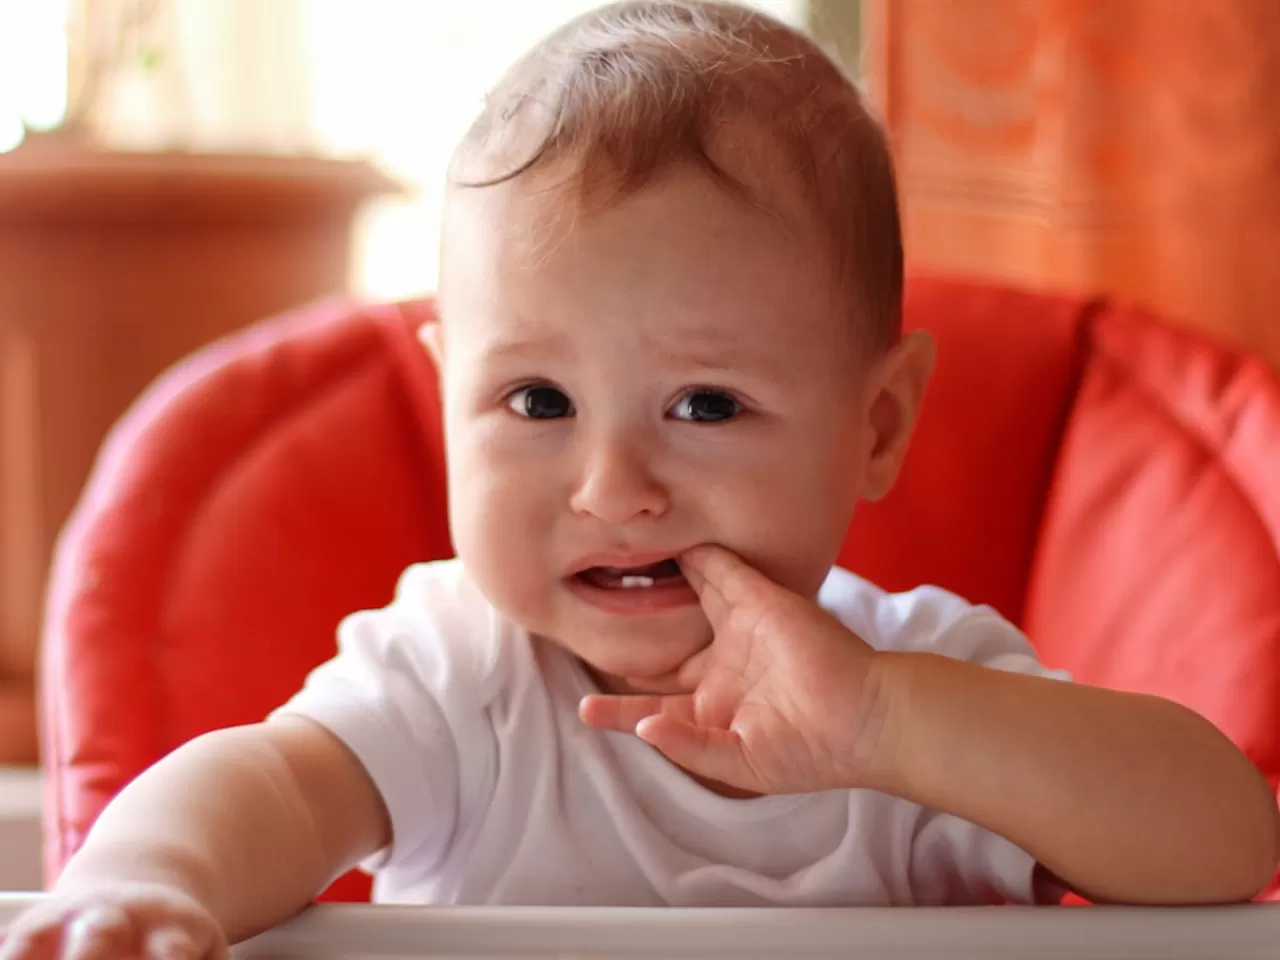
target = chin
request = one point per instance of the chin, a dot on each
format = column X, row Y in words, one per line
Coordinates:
column 650, row 644
column 636, row 658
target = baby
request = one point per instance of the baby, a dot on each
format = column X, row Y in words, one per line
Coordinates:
column 671, row 364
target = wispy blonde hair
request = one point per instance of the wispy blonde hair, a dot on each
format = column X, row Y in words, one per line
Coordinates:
column 628, row 91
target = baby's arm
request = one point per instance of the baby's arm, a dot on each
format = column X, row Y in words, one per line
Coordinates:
column 238, row 829
column 1123, row 797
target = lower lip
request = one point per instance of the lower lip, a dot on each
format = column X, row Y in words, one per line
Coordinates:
column 660, row 597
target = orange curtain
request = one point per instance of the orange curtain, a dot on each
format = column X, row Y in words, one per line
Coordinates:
column 1122, row 147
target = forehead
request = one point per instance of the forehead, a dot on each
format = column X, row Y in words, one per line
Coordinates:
column 682, row 259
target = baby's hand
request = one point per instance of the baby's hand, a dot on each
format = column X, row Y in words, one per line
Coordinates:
column 119, row 922
column 782, row 703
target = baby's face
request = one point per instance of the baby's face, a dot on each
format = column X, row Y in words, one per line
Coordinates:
column 623, row 385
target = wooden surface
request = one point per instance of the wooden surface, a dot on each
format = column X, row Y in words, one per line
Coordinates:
column 112, row 267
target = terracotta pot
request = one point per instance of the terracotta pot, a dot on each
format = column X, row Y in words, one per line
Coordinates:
column 112, row 267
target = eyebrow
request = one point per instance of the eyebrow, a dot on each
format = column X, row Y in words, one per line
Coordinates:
column 718, row 355
column 528, row 348
column 703, row 353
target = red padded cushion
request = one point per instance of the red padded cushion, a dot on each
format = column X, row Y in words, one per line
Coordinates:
column 965, row 513
column 1159, row 561
column 259, row 493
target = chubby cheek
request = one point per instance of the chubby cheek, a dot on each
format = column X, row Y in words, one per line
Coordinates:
column 787, row 514
column 502, row 516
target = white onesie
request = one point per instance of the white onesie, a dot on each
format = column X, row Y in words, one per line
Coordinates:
column 498, row 794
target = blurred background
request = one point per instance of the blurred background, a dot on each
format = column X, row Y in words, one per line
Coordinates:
column 172, row 170
column 394, row 82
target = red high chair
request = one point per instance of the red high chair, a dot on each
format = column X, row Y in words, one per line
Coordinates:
column 1108, row 483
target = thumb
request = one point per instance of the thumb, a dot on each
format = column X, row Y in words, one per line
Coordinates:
column 724, row 582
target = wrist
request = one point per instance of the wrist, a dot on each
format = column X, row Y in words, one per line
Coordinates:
column 107, row 863
column 882, row 757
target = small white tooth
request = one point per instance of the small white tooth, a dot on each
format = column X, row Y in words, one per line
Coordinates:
column 631, row 581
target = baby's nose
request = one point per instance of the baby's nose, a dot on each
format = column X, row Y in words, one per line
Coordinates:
column 618, row 485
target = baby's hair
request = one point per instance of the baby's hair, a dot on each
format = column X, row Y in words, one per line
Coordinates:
column 627, row 92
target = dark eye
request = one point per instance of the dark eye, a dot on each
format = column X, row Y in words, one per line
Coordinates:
column 540, row 403
column 706, row 406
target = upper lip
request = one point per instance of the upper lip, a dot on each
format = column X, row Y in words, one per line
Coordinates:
column 621, row 561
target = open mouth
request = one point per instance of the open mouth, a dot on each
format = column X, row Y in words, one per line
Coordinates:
column 638, row 589
column 666, row 573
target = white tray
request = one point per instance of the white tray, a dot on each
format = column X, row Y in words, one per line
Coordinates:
column 348, row 932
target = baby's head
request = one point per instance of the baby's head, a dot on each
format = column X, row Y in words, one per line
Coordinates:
column 670, row 293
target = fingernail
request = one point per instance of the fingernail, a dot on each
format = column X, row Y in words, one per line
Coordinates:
column 166, row 948
column 94, row 919
column 87, row 926
column 169, row 944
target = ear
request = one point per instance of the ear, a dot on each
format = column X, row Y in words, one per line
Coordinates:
column 896, row 394
column 430, row 336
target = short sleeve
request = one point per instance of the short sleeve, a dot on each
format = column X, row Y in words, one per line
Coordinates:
column 952, row 860
column 982, row 636
column 401, row 693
